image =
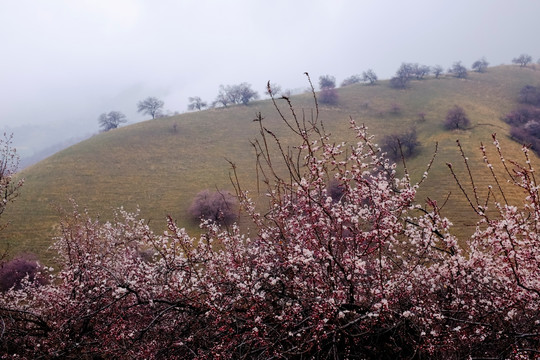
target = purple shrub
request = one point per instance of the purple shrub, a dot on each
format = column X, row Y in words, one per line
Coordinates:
column 217, row 206
column 456, row 118
column 14, row 271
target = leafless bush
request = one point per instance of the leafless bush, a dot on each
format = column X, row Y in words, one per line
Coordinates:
column 353, row 79
column 217, row 206
column 328, row 96
column 456, row 118
column 396, row 144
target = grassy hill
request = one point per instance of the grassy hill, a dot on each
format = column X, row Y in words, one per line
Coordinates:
column 159, row 166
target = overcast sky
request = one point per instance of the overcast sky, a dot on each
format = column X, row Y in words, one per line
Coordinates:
column 68, row 61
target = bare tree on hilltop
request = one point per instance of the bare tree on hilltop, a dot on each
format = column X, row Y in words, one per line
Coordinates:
column 369, row 76
column 235, row 94
column 196, row 103
column 458, row 70
column 403, row 76
column 150, row 106
column 480, row 65
column 437, row 70
column 111, row 120
column 420, row 71
column 522, row 60
column 328, row 94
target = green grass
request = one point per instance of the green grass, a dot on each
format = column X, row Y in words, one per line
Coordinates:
column 148, row 165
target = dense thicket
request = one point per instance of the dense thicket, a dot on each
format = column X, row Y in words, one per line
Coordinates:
column 525, row 120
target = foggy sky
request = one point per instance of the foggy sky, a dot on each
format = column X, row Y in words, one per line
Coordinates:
column 67, row 61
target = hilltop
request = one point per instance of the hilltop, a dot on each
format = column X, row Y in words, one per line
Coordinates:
column 159, row 165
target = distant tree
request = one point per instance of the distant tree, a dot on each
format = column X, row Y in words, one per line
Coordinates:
column 222, row 98
column 456, row 118
column 420, row 71
column 246, row 93
column 480, row 65
column 406, row 70
column 353, row 79
column 150, row 106
column 522, row 60
column 196, row 103
column 235, row 94
column 327, row 82
column 396, row 144
column 403, row 76
column 217, row 206
column 458, row 70
column 437, row 70
column 369, row 76
column 328, row 94
column 111, row 120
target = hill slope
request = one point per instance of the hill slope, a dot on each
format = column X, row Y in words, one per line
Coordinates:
column 159, row 166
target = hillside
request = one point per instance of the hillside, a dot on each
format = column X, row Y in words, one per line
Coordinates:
column 158, row 166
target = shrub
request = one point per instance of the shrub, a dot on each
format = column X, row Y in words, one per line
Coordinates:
column 395, row 144
column 522, row 115
column 353, row 79
column 328, row 96
column 14, row 271
column 456, row 118
column 216, row 206
column 529, row 95
column 399, row 82
column 524, row 136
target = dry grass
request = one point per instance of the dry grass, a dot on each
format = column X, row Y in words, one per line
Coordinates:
column 150, row 166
